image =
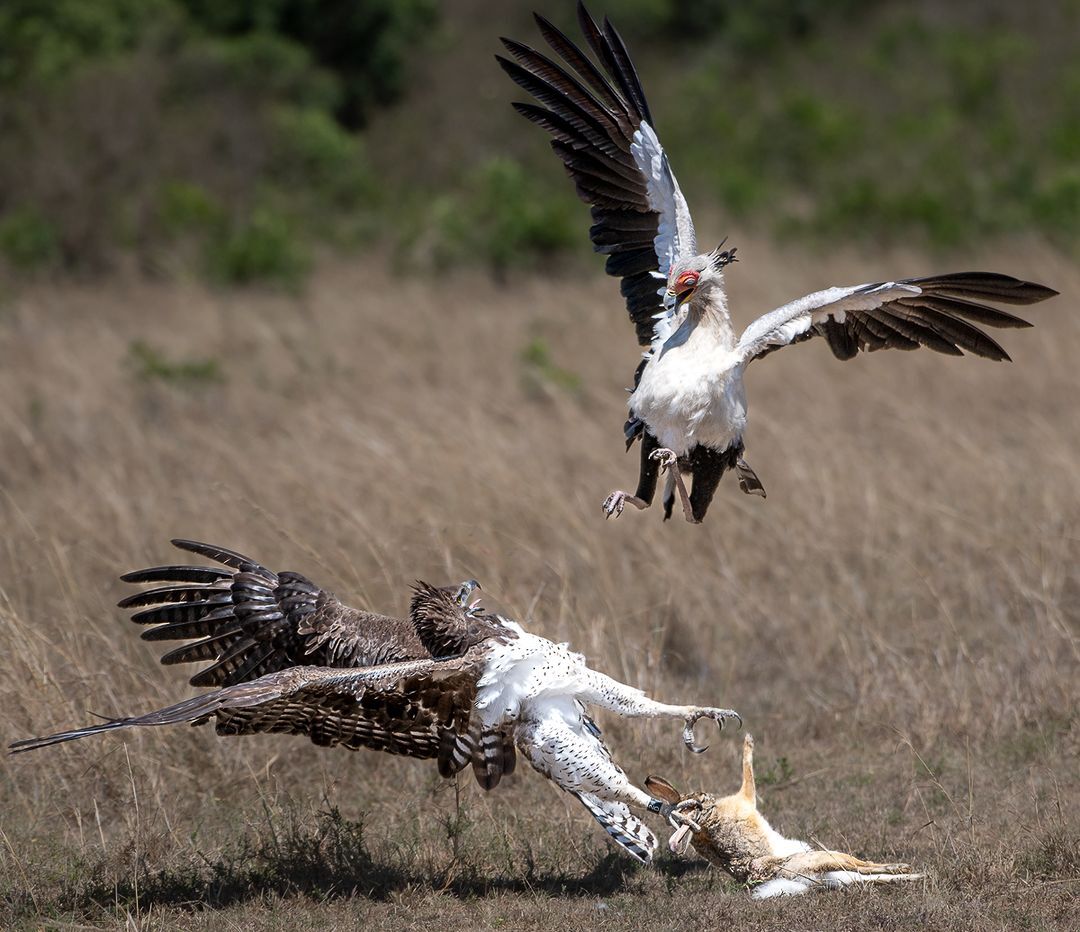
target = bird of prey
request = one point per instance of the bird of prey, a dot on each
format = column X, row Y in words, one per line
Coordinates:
column 451, row 682
column 688, row 404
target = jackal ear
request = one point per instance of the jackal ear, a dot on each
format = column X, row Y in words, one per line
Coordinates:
column 661, row 789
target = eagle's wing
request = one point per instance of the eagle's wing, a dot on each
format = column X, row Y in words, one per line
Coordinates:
column 418, row 708
column 604, row 134
column 248, row 620
column 906, row 314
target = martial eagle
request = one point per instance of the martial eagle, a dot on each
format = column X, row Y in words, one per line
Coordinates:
column 451, row 682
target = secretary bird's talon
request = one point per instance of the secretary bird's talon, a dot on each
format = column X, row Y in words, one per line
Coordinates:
column 717, row 715
column 665, row 457
column 614, row 504
column 669, row 463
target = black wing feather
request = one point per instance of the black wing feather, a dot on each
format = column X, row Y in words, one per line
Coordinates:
column 592, row 113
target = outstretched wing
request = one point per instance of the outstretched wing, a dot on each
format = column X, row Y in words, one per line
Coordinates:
column 248, row 620
column 933, row 312
column 604, row 135
column 420, row 708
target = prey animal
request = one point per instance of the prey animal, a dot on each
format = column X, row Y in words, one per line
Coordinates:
column 731, row 833
column 688, row 404
column 452, row 682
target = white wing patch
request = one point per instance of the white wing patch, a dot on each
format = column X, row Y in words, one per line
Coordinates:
column 675, row 237
column 787, row 323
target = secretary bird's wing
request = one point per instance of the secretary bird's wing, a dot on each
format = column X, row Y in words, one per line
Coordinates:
column 248, row 620
column 604, row 134
column 906, row 314
column 419, row 708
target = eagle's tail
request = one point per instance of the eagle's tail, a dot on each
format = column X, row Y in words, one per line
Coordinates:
column 493, row 754
column 629, row 832
column 195, row 710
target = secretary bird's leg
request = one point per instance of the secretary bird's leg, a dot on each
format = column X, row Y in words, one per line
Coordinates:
column 748, row 480
column 646, row 489
column 669, row 463
column 626, row 700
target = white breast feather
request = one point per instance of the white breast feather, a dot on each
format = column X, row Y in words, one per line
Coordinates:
column 692, row 392
column 523, row 671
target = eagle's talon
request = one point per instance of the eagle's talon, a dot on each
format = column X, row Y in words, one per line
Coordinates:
column 717, row 715
column 677, row 817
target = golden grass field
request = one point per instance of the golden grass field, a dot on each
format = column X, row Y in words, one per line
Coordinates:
column 899, row 623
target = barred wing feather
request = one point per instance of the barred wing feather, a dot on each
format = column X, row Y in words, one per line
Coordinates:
column 936, row 312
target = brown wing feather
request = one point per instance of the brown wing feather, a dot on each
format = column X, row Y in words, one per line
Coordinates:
column 421, row 708
column 401, row 708
column 250, row 621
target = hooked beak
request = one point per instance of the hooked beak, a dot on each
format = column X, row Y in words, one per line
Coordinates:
column 673, row 300
column 466, row 590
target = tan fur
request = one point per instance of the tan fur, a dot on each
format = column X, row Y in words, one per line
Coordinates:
column 735, row 836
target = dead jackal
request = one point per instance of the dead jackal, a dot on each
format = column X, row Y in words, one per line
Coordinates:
column 730, row 832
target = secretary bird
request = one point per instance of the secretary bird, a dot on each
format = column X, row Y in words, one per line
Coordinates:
column 688, row 404
column 452, row 682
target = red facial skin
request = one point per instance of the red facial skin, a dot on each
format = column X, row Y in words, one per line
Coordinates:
column 685, row 284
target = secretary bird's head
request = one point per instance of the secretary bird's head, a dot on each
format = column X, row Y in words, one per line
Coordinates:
column 696, row 274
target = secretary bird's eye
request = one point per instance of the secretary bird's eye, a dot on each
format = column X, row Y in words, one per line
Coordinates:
column 686, row 280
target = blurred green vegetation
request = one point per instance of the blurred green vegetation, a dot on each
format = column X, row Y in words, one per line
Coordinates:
column 151, row 364
column 500, row 216
column 231, row 137
column 220, row 136
column 540, row 370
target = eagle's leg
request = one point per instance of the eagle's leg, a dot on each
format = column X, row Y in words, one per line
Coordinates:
column 626, row 700
column 647, row 474
column 669, row 463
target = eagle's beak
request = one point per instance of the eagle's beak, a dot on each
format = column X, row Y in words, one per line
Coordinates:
column 466, row 590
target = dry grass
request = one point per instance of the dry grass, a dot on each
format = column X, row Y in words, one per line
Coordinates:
column 898, row 623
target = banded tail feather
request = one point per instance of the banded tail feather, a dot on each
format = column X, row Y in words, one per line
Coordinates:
column 623, row 826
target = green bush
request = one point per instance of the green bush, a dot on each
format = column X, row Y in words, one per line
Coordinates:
column 186, row 119
column 28, row 240
column 186, row 207
column 261, row 66
column 365, row 44
column 311, row 149
column 263, row 247
column 44, row 40
column 1057, row 204
column 503, row 218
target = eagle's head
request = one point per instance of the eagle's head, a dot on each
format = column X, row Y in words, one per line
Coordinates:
column 446, row 621
column 696, row 275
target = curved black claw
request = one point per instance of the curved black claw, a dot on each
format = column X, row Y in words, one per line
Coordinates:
column 678, row 815
column 717, row 715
